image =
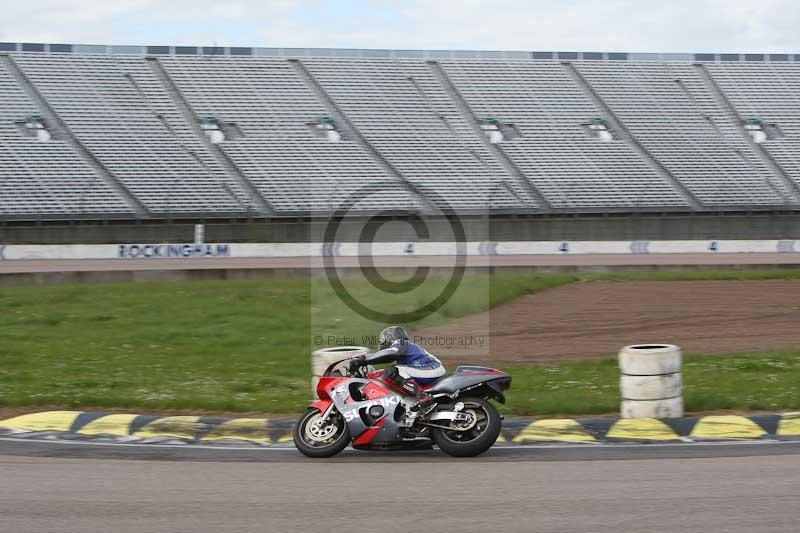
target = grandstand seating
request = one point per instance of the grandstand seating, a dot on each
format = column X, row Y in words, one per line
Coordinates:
column 667, row 119
column 165, row 167
column 126, row 141
column 768, row 92
column 278, row 153
column 572, row 169
column 39, row 179
column 392, row 100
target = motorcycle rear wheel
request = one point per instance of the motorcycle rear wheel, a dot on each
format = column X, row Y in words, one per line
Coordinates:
column 323, row 440
column 476, row 440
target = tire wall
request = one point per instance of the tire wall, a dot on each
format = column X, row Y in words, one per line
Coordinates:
column 651, row 385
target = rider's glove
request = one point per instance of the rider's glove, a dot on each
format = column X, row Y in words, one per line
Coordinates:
column 357, row 362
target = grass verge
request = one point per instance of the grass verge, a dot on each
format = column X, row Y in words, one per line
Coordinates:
column 755, row 382
column 218, row 346
column 243, row 346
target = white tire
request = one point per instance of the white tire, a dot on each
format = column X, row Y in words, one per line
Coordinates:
column 323, row 358
column 650, row 387
column 668, row 408
column 650, row 359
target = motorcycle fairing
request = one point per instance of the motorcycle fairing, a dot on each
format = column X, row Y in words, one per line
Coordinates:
column 321, row 405
column 385, row 430
column 466, row 377
column 366, row 438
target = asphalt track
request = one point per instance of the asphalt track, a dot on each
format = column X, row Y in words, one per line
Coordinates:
column 577, row 260
column 530, row 489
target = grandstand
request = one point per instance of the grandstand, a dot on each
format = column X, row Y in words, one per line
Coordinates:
column 127, row 133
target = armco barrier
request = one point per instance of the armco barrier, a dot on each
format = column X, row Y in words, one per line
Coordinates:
column 13, row 252
column 76, row 425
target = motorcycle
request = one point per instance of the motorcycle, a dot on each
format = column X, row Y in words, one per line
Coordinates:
column 372, row 413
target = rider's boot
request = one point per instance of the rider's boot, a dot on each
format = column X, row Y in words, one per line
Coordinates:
column 423, row 399
column 409, row 385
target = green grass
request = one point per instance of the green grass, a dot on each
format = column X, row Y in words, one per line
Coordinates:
column 738, row 381
column 243, row 346
column 231, row 346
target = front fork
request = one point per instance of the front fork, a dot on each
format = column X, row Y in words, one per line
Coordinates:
column 323, row 406
column 326, row 413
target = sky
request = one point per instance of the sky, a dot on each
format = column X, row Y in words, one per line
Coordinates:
column 560, row 25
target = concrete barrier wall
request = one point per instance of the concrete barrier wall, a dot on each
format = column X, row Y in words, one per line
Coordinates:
column 653, row 226
column 145, row 251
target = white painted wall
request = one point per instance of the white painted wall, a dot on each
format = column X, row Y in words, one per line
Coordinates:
column 316, row 249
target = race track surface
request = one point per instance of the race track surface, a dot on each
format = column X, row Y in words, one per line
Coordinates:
column 99, row 265
column 388, row 493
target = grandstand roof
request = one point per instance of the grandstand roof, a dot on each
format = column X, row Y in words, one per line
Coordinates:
column 386, row 53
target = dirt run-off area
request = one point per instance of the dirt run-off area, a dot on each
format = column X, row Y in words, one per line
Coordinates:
column 592, row 320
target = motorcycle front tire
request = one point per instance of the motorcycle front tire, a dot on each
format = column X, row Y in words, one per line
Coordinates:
column 329, row 450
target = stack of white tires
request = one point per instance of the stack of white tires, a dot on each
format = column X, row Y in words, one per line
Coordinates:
column 325, row 357
column 651, row 385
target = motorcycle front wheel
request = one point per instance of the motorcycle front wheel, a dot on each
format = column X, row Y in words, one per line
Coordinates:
column 475, row 438
column 315, row 438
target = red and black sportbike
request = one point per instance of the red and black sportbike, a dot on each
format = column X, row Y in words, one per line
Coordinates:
column 373, row 414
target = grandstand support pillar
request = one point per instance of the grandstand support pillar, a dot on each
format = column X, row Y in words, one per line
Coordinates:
column 625, row 135
column 190, row 117
column 499, row 154
column 352, row 132
column 60, row 127
column 711, row 84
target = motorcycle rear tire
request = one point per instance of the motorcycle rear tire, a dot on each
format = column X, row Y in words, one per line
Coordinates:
column 329, row 450
column 478, row 445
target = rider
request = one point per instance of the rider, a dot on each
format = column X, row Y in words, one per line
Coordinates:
column 413, row 366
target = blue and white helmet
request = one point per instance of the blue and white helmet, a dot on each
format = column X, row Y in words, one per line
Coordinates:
column 391, row 334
